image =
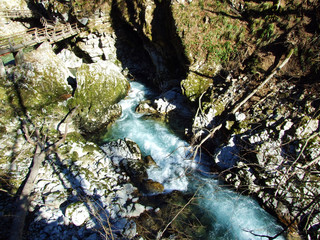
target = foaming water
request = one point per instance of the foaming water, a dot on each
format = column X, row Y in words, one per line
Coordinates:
column 232, row 216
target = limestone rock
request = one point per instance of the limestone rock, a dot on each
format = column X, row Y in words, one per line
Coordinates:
column 127, row 155
column 227, row 156
column 144, row 107
column 69, row 59
column 119, row 150
column 78, row 213
column 99, row 47
column 99, row 87
column 42, row 79
column 2, row 70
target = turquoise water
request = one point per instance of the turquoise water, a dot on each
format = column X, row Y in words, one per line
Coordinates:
column 232, row 216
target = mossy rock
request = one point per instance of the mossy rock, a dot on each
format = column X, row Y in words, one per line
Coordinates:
column 99, row 87
column 41, row 83
column 6, row 110
column 150, row 186
column 195, row 85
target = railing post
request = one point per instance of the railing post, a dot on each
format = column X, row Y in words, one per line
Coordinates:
column 54, row 34
column 10, row 45
column 77, row 29
column 36, row 35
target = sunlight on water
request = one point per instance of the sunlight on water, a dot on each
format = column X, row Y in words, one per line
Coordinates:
column 231, row 215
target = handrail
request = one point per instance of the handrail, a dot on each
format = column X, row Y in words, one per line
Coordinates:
column 14, row 42
column 16, row 13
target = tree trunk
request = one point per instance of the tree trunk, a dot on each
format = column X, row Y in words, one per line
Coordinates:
column 23, row 201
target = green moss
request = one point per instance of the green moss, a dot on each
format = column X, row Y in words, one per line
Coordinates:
column 195, row 85
column 219, row 107
column 207, row 34
column 87, row 173
column 91, row 148
column 74, row 156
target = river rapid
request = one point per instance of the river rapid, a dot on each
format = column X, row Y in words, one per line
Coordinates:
column 231, row 215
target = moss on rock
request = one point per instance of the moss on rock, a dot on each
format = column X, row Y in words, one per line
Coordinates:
column 194, row 85
column 99, row 87
column 41, row 83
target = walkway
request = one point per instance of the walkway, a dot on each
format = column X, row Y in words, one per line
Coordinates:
column 16, row 13
column 56, row 33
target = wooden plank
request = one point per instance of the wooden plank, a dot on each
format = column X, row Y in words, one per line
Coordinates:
column 14, row 42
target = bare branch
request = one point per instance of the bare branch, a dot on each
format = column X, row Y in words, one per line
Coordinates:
column 159, row 236
column 236, row 108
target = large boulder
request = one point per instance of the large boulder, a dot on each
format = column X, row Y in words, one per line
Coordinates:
column 99, row 87
column 126, row 154
column 41, row 83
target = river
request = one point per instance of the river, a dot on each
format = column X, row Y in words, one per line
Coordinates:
column 232, row 216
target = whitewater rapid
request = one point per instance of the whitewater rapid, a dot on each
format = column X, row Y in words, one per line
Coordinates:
column 232, row 216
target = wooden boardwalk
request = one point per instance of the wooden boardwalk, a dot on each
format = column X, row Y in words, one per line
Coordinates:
column 17, row 13
column 33, row 36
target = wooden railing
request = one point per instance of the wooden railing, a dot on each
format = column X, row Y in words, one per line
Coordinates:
column 14, row 43
column 16, row 13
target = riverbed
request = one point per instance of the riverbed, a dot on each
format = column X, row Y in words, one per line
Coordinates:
column 232, row 216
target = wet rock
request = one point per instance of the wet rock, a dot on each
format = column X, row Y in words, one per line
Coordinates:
column 166, row 207
column 144, row 107
column 149, row 161
column 127, row 155
column 150, row 186
column 122, row 149
column 136, row 170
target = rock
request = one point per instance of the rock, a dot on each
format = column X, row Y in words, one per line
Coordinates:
column 227, row 156
column 311, row 126
column 42, row 80
column 136, row 170
column 164, row 106
column 78, row 213
column 99, row 47
column 144, row 107
column 194, row 85
column 134, row 149
column 84, row 21
column 149, row 161
column 135, row 209
column 3, row 72
column 150, row 186
column 127, row 155
column 240, row 116
column 99, row 87
column 130, row 230
column 19, row 57
column 70, row 59
column 122, row 149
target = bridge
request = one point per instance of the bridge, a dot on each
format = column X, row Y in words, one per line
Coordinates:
column 51, row 33
column 17, row 13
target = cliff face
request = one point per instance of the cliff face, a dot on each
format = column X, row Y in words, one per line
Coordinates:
column 269, row 147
